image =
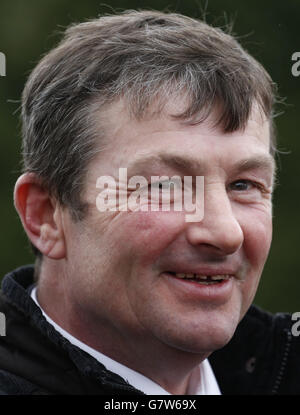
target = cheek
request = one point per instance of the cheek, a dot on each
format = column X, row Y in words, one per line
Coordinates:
column 257, row 239
column 257, row 231
column 148, row 233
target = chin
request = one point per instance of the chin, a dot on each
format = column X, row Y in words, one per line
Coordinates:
column 208, row 342
column 203, row 336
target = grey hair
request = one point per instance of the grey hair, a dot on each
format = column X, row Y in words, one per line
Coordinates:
column 144, row 57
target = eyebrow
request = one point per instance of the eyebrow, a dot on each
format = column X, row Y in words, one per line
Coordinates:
column 259, row 161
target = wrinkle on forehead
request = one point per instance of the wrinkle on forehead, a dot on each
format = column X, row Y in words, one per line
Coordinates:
column 119, row 124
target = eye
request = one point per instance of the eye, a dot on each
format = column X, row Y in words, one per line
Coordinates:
column 162, row 189
column 168, row 184
column 243, row 185
column 166, row 191
column 161, row 185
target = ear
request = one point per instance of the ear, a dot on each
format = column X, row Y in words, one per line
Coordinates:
column 40, row 215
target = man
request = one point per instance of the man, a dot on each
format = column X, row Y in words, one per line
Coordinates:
column 144, row 301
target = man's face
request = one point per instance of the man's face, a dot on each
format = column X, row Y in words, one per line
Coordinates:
column 123, row 265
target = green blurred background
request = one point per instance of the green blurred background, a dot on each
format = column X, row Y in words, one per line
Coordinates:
column 269, row 29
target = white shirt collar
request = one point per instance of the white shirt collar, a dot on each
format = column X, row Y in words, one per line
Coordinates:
column 202, row 381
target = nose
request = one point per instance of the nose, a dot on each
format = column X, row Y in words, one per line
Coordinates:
column 219, row 228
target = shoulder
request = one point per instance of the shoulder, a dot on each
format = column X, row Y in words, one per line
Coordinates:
column 263, row 326
column 262, row 357
column 11, row 384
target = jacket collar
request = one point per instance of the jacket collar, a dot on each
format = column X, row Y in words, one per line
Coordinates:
column 32, row 340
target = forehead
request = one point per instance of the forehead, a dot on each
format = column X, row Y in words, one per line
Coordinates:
column 125, row 133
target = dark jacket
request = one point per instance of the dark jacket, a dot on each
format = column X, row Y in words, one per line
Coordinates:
column 262, row 358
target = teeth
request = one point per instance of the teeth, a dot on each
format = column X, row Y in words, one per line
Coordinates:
column 219, row 277
column 180, row 275
column 202, row 277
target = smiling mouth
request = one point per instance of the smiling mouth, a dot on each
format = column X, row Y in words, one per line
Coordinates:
column 202, row 279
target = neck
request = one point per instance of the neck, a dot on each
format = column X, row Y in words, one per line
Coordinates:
column 167, row 366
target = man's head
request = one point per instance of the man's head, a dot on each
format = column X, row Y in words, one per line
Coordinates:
column 162, row 94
